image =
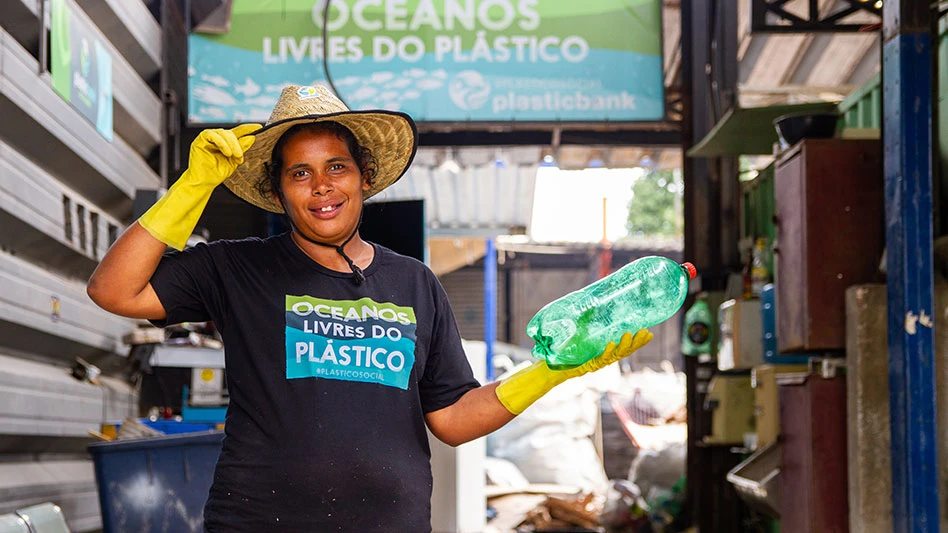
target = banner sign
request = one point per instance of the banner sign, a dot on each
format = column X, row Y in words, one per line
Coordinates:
column 81, row 67
column 437, row 60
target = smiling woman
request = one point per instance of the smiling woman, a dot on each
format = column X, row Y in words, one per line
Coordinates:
column 319, row 173
column 335, row 377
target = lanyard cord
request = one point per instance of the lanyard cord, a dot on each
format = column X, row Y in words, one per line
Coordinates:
column 357, row 275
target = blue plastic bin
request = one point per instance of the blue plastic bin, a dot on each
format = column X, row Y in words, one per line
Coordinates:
column 155, row 484
column 173, row 427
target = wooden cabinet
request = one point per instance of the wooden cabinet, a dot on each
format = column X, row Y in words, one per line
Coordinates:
column 814, row 495
column 830, row 233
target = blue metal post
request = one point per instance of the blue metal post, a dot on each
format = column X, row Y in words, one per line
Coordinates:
column 907, row 136
column 490, row 304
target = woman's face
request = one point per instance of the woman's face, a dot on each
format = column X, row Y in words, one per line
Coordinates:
column 322, row 186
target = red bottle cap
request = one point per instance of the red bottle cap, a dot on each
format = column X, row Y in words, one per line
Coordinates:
column 692, row 271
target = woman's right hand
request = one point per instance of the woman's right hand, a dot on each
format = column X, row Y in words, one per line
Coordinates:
column 216, row 153
column 121, row 284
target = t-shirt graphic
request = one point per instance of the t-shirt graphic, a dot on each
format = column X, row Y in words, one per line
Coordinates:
column 349, row 340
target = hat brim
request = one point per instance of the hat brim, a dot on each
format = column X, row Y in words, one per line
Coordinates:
column 391, row 136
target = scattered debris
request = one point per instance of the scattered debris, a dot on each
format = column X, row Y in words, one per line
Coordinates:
column 540, row 478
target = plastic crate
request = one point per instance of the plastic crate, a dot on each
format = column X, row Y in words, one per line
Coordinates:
column 155, row 484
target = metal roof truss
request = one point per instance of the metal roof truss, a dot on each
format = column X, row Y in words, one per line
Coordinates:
column 772, row 16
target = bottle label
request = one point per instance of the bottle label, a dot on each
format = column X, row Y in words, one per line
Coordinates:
column 699, row 333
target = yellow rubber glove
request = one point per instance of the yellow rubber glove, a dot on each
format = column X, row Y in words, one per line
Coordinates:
column 520, row 390
column 215, row 154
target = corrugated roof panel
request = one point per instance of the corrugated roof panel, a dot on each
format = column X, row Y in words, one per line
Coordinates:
column 801, row 67
column 776, row 59
column 471, row 190
column 840, row 58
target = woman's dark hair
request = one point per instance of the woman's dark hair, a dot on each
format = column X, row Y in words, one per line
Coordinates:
column 362, row 155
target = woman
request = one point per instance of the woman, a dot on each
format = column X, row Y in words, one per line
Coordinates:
column 339, row 352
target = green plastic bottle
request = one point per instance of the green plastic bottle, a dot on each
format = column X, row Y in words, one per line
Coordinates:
column 573, row 329
column 697, row 334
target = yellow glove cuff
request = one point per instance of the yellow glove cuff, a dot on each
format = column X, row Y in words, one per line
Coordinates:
column 215, row 153
column 528, row 385
column 172, row 219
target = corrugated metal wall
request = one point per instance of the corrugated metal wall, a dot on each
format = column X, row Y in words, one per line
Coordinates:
column 66, row 192
column 465, row 288
column 530, row 290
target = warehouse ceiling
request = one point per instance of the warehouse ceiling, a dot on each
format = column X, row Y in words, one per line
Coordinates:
column 805, row 67
column 773, row 69
column 787, row 68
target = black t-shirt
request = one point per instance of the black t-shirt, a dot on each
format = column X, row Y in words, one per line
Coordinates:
column 329, row 382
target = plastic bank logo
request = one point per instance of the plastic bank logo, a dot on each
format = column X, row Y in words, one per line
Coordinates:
column 562, row 102
column 469, row 90
column 349, row 340
column 305, row 93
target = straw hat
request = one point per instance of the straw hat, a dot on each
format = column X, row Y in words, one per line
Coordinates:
column 390, row 135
